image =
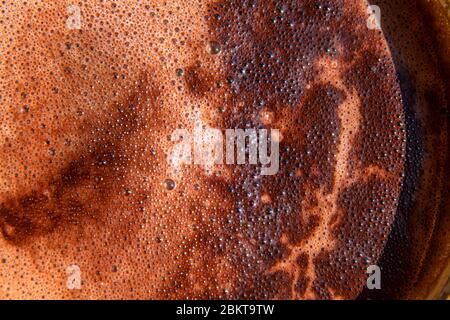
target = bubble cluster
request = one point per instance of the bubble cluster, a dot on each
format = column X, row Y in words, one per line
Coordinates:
column 88, row 106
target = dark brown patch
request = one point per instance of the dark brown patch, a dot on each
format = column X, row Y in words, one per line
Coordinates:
column 69, row 198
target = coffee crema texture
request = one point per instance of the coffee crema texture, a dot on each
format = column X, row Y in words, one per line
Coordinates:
column 91, row 92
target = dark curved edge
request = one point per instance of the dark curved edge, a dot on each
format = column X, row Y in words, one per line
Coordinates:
column 401, row 273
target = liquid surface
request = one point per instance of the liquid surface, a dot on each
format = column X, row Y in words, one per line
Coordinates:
column 88, row 104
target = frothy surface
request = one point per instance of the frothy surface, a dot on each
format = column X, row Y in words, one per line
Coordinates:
column 86, row 116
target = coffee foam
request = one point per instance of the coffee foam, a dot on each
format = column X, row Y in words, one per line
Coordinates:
column 87, row 115
column 417, row 253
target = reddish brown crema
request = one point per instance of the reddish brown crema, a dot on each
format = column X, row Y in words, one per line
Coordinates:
column 86, row 116
column 416, row 258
